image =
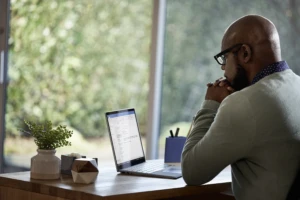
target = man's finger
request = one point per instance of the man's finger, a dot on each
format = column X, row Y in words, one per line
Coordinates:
column 218, row 81
column 230, row 89
column 223, row 83
column 209, row 84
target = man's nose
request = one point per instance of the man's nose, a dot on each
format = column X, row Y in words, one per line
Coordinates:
column 223, row 67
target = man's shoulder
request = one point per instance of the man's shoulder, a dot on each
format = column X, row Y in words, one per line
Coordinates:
column 237, row 101
column 285, row 76
column 268, row 88
column 238, row 96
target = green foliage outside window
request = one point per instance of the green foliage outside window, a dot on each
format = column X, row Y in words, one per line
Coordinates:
column 70, row 61
column 194, row 31
column 73, row 60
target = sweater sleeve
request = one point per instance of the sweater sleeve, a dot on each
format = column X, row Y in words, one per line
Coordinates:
column 220, row 136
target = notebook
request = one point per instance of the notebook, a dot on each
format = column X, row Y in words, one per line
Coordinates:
column 128, row 149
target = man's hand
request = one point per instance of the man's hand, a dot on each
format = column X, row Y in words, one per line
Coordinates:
column 219, row 90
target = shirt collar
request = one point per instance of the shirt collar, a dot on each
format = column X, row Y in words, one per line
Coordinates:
column 275, row 67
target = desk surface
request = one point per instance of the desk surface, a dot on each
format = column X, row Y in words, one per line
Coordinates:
column 111, row 185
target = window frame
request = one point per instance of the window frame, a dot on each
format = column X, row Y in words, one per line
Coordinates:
column 4, row 32
column 155, row 78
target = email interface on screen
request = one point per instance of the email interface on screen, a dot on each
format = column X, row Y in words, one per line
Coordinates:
column 125, row 136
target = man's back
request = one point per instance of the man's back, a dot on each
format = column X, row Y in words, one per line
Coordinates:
column 271, row 164
column 256, row 130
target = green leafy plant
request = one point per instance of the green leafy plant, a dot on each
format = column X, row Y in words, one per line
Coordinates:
column 48, row 138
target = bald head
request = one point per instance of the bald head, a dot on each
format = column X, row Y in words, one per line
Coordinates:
column 259, row 33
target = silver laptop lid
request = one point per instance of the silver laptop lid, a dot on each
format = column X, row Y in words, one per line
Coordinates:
column 125, row 138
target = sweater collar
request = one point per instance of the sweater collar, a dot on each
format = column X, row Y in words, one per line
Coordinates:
column 275, row 67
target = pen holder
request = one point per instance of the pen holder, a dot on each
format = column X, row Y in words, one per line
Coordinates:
column 173, row 149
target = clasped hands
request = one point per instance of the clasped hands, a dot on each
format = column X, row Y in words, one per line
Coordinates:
column 218, row 90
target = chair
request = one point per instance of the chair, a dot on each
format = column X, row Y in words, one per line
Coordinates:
column 294, row 193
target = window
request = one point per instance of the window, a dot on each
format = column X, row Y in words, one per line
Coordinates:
column 70, row 62
column 194, row 30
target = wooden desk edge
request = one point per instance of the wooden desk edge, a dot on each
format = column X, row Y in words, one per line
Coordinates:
column 63, row 193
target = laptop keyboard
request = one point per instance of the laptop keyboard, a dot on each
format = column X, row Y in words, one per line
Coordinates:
column 147, row 167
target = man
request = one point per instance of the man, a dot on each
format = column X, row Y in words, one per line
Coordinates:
column 251, row 120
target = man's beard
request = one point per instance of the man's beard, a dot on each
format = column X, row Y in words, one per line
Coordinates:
column 240, row 81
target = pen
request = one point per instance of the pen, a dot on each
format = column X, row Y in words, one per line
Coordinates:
column 171, row 132
column 177, row 131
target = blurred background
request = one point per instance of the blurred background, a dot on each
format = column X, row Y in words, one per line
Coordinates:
column 70, row 61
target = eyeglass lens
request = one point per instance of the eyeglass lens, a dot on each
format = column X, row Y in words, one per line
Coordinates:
column 221, row 60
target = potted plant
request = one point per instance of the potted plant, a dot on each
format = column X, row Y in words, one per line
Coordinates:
column 45, row 165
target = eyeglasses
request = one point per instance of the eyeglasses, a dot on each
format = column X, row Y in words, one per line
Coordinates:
column 221, row 58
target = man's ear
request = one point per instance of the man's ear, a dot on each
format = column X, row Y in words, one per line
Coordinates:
column 246, row 53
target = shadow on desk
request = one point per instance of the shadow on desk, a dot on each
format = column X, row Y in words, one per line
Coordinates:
column 227, row 195
column 207, row 197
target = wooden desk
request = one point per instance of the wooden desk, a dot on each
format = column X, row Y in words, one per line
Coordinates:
column 110, row 185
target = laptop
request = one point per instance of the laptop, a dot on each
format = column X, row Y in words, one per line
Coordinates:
column 128, row 149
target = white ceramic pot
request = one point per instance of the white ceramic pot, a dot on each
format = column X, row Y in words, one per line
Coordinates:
column 45, row 165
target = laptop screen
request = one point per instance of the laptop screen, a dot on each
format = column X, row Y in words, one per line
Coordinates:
column 125, row 137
